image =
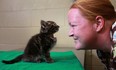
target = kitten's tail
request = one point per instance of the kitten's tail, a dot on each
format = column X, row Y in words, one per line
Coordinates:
column 17, row 59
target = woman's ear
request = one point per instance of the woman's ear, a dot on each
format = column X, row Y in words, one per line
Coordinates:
column 99, row 24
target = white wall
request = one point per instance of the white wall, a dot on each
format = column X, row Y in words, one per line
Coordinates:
column 114, row 3
column 20, row 19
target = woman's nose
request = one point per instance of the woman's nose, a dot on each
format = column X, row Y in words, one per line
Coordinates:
column 71, row 32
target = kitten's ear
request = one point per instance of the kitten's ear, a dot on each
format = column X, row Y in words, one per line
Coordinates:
column 43, row 26
column 43, row 23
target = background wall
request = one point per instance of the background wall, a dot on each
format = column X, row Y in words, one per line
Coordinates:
column 20, row 19
column 114, row 3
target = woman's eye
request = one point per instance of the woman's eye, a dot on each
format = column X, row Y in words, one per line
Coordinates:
column 73, row 25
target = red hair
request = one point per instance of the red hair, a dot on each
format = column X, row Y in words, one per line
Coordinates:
column 92, row 8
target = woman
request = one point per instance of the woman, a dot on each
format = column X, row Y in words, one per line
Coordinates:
column 92, row 27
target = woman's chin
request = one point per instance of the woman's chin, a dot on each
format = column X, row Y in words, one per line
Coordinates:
column 78, row 46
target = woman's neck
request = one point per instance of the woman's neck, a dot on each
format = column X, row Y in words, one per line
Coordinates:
column 104, row 41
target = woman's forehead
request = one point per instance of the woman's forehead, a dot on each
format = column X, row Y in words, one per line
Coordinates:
column 74, row 15
column 72, row 11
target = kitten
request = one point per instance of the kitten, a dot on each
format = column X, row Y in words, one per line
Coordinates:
column 39, row 46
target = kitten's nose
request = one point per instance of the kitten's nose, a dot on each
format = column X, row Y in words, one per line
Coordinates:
column 58, row 26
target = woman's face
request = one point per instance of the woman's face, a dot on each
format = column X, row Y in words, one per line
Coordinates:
column 81, row 29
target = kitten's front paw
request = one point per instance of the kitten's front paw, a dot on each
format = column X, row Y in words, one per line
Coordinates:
column 49, row 60
column 38, row 61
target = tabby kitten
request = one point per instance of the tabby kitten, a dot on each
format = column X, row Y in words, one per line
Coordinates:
column 39, row 46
